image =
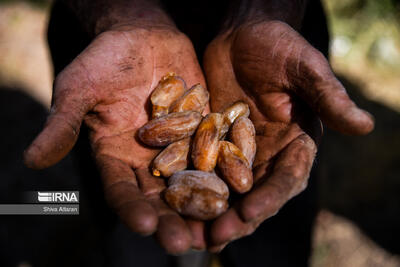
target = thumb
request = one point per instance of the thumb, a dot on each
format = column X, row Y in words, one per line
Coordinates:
column 70, row 104
column 315, row 82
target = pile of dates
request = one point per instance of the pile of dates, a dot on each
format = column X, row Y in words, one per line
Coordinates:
column 196, row 142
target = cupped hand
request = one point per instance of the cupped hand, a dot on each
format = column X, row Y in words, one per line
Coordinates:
column 107, row 87
column 288, row 85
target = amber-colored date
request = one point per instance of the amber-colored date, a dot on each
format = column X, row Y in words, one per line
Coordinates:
column 233, row 112
column 200, row 204
column 238, row 109
column 172, row 159
column 200, row 195
column 234, row 167
column 170, row 128
column 243, row 135
column 195, row 99
column 205, row 143
column 202, row 180
column 168, row 90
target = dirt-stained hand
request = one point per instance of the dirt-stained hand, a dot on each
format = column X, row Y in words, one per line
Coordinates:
column 107, row 87
column 288, row 85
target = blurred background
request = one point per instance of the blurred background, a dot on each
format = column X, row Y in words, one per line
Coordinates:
column 359, row 178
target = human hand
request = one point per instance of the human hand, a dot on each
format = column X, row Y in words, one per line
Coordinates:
column 107, row 86
column 288, row 84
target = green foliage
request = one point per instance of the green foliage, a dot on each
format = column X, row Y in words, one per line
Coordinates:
column 372, row 26
column 376, row 8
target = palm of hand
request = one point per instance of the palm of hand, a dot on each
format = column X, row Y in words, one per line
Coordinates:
column 108, row 86
column 281, row 77
column 257, row 72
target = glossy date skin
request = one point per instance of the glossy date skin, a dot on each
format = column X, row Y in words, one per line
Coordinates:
column 243, row 135
column 234, row 167
column 172, row 159
column 169, row 128
column 200, row 195
column 108, row 87
column 258, row 57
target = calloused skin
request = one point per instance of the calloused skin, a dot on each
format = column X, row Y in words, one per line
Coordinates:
column 107, row 87
column 266, row 64
column 288, row 85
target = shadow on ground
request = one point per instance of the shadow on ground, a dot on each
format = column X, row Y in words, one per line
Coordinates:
column 36, row 239
column 360, row 176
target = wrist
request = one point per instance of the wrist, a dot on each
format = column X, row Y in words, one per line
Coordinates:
column 247, row 12
column 103, row 15
column 138, row 16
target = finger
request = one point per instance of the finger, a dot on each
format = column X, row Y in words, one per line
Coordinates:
column 225, row 228
column 172, row 232
column 229, row 227
column 62, row 126
column 123, row 195
column 217, row 248
column 288, row 177
column 197, row 230
column 315, row 82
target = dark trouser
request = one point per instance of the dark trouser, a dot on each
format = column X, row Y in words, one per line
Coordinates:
column 284, row 240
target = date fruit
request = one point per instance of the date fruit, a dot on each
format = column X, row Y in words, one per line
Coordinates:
column 234, row 167
column 172, row 159
column 199, row 195
column 205, row 143
column 202, row 180
column 176, row 117
column 170, row 128
column 243, row 135
column 195, row 99
column 169, row 89
column 235, row 111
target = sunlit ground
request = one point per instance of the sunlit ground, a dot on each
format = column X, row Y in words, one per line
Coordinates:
column 339, row 242
column 369, row 54
column 25, row 60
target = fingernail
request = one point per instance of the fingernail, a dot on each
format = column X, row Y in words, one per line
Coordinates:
column 218, row 249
